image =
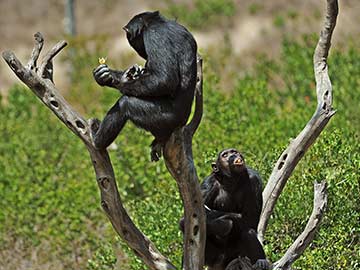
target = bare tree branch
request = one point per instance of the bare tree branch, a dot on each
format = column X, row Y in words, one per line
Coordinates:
column 50, row 96
column 307, row 236
column 39, row 42
column 110, row 198
column 179, row 161
column 297, row 148
column 195, row 121
column 46, row 69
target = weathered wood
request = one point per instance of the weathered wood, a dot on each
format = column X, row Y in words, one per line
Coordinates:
column 111, row 202
column 324, row 111
column 195, row 121
column 179, row 161
column 39, row 42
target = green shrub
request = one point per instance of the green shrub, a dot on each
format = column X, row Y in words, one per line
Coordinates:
column 254, row 8
column 45, row 186
column 104, row 259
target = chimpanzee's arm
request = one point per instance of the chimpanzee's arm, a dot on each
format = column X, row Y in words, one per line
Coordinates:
column 221, row 223
column 253, row 214
column 210, row 189
column 105, row 76
column 162, row 72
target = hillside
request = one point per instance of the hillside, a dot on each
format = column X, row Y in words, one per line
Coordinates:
column 256, row 27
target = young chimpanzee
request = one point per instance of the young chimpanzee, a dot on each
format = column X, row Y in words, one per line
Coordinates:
column 232, row 196
column 157, row 97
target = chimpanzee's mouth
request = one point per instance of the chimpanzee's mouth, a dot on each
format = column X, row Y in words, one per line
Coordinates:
column 238, row 161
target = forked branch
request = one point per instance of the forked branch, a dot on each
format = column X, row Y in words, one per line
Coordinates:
column 324, row 111
column 195, row 121
column 40, row 82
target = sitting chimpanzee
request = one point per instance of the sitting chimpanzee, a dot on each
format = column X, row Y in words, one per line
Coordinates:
column 232, row 196
column 157, row 97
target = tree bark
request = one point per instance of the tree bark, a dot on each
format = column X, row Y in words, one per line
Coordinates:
column 179, row 161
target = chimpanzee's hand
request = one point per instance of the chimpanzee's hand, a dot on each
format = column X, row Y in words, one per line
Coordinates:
column 103, row 75
column 132, row 73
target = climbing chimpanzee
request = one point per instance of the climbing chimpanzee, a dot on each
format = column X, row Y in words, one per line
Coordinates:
column 157, row 97
column 232, row 196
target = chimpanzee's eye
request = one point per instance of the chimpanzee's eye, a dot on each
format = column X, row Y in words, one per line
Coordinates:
column 225, row 154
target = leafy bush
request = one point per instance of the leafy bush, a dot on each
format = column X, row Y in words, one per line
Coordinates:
column 104, row 259
column 49, row 193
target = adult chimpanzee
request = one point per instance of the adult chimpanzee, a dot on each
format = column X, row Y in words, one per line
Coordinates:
column 232, row 196
column 157, row 97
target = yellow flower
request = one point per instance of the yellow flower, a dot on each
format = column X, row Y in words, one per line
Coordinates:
column 102, row 60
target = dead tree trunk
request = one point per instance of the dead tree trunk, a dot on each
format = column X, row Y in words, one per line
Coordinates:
column 179, row 160
column 177, row 154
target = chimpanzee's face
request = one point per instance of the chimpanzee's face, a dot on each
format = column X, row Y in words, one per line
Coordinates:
column 138, row 23
column 229, row 162
column 134, row 28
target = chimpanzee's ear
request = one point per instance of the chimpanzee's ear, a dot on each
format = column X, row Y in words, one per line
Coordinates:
column 214, row 167
column 151, row 16
column 155, row 13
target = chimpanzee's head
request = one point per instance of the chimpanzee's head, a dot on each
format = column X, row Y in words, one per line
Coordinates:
column 135, row 29
column 230, row 162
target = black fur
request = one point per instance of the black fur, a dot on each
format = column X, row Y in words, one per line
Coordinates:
column 232, row 196
column 157, row 98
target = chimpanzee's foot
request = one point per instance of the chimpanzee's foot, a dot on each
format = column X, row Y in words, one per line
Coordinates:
column 238, row 264
column 156, row 150
column 262, row 264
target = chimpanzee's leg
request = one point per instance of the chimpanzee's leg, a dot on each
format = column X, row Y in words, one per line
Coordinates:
column 112, row 124
column 156, row 115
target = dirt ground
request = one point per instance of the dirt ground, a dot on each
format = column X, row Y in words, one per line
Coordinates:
column 249, row 32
